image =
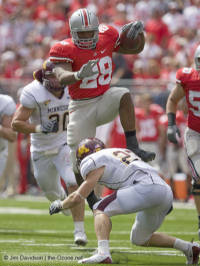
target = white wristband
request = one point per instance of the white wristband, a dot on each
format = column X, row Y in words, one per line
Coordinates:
column 38, row 129
column 76, row 76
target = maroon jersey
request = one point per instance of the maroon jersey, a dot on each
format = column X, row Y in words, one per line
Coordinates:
column 67, row 51
column 189, row 79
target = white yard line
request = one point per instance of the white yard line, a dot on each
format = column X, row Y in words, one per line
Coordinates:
column 16, row 241
column 119, row 250
column 20, row 231
column 27, row 211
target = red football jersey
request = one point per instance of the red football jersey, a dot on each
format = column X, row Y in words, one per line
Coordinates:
column 148, row 123
column 189, row 79
column 67, row 51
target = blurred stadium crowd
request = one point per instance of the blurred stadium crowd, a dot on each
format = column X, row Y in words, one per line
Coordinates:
column 29, row 28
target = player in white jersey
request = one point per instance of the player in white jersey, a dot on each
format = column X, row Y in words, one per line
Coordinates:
column 7, row 109
column 138, row 188
column 43, row 112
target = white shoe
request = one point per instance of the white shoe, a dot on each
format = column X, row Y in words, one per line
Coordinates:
column 80, row 238
column 97, row 258
column 192, row 254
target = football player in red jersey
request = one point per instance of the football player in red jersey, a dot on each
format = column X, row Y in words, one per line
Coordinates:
column 188, row 85
column 84, row 63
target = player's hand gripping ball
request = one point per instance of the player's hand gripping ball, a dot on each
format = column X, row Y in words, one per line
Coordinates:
column 131, row 36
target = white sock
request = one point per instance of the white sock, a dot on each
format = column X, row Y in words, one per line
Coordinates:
column 181, row 245
column 103, row 247
column 79, row 226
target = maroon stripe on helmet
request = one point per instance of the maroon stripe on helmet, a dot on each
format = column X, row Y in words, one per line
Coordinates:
column 106, row 201
column 85, row 16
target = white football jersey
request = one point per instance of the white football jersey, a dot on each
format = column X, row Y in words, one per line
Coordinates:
column 122, row 168
column 7, row 107
column 46, row 106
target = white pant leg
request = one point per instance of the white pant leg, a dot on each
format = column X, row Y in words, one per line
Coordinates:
column 151, row 215
column 82, row 124
column 108, row 106
column 86, row 115
column 64, row 167
column 47, row 176
column 192, row 145
column 3, row 160
column 152, row 202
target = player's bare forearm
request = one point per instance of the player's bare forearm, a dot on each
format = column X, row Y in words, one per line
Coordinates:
column 7, row 133
column 175, row 96
column 80, row 194
column 65, row 77
column 71, row 201
column 20, row 120
column 171, row 106
column 23, row 127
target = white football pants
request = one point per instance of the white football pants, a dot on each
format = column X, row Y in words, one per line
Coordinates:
column 49, row 168
column 86, row 115
column 151, row 202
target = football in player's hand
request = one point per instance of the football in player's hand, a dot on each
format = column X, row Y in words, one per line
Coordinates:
column 127, row 43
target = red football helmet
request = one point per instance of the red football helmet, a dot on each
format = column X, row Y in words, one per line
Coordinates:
column 87, row 147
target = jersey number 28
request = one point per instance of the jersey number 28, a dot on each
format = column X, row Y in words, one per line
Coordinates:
column 102, row 78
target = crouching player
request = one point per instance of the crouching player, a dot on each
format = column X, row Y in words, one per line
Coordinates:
column 138, row 188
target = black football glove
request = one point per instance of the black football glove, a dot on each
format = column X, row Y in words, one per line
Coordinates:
column 173, row 134
column 49, row 126
column 55, row 207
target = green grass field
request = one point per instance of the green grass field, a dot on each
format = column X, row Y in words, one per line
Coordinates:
column 30, row 236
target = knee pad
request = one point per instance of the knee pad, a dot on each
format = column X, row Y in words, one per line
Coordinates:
column 136, row 239
column 195, row 189
column 53, row 195
column 69, row 178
